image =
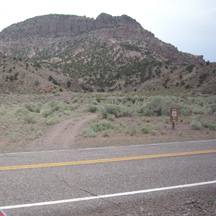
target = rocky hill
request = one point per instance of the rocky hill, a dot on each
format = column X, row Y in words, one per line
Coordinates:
column 106, row 54
column 21, row 77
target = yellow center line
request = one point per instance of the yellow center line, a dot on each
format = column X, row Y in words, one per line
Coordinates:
column 105, row 160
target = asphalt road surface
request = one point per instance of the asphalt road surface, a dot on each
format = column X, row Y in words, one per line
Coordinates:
column 75, row 182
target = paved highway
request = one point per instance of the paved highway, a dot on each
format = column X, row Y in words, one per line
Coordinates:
column 72, row 182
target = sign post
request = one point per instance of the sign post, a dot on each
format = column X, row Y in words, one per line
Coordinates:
column 174, row 114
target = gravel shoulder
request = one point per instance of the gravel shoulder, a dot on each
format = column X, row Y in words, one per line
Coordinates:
column 186, row 202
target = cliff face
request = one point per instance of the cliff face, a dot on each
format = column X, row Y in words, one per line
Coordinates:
column 53, row 34
column 64, row 25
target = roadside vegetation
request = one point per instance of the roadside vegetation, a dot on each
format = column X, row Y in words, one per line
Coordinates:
column 27, row 117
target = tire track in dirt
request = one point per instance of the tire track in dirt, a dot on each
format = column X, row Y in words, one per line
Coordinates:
column 60, row 136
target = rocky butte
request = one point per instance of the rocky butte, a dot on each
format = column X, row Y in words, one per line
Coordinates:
column 109, row 53
column 43, row 32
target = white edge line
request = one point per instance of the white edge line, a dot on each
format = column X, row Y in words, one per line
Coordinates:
column 106, row 196
column 108, row 147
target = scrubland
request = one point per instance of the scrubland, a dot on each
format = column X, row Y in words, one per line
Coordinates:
column 121, row 118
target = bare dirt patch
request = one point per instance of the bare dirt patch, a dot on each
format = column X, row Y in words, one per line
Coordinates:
column 60, row 136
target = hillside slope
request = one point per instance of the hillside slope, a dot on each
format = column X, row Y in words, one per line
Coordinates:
column 107, row 54
column 21, row 77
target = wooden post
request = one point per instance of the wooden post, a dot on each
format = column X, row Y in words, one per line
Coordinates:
column 173, row 125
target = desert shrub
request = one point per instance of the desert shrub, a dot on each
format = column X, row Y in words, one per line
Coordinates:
column 116, row 110
column 145, row 129
column 180, row 133
column 3, row 111
column 197, row 110
column 51, row 120
column 203, row 77
column 189, row 68
column 154, row 132
column 184, row 109
column 157, row 107
column 106, row 134
column 91, row 108
column 167, row 119
column 33, row 107
column 68, row 84
column 71, row 107
column 112, row 99
column 75, row 99
column 47, row 113
column 30, row 119
column 65, row 112
column 163, row 132
column 22, row 110
column 111, row 117
column 54, row 105
column 209, row 124
column 88, row 132
column 196, row 125
column 58, row 107
column 102, row 126
column 213, row 107
column 133, row 130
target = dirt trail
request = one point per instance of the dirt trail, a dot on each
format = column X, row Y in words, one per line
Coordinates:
column 61, row 135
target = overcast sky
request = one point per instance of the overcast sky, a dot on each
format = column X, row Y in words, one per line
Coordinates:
column 189, row 25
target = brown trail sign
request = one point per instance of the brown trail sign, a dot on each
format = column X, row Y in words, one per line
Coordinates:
column 174, row 114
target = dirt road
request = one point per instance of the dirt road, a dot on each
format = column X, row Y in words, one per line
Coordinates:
column 60, row 136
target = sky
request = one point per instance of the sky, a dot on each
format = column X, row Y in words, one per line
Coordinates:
column 189, row 25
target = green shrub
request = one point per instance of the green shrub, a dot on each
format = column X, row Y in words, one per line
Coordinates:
column 106, row 134
column 102, row 126
column 111, row 117
column 189, row 68
column 163, row 132
column 184, row 109
column 75, row 99
column 22, row 110
column 213, row 107
column 88, row 132
column 157, row 107
column 91, row 108
column 68, row 84
column 29, row 119
column 145, row 130
column 116, row 110
column 54, row 105
column 133, row 130
column 33, row 107
column 180, row 133
column 198, row 110
column 3, row 111
column 71, row 107
column 65, row 112
column 153, row 132
column 203, row 77
column 59, row 107
column 47, row 113
column 52, row 120
column 196, row 125
column 118, row 128
column 209, row 124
